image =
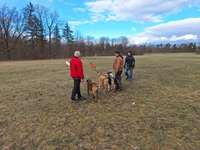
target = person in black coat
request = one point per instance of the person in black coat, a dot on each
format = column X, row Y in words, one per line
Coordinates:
column 129, row 66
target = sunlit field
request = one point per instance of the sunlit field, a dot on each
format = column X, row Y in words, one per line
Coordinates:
column 159, row 110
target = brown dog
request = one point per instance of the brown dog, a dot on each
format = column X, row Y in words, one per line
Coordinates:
column 92, row 88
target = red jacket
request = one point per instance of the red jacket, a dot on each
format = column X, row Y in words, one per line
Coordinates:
column 76, row 68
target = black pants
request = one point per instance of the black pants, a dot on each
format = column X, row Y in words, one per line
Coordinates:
column 76, row 90
column 118, row 82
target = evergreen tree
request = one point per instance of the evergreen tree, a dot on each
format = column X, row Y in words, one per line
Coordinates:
column 174, row 46
column 29, row 23
column 192, row 47
column 68, row 34
column 40, row 25
column 38, row 29
column 33, row 25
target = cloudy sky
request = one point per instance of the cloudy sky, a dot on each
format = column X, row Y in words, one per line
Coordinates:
column 142, row 21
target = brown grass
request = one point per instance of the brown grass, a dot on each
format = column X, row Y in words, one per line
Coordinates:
column 36, row 113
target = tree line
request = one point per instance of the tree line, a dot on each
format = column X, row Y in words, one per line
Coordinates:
column 37, row 33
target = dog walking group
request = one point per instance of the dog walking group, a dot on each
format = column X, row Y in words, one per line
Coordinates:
column 106, row 80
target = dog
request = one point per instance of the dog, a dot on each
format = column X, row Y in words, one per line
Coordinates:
column 92, row 87
column 111, row 79
column 105, row 81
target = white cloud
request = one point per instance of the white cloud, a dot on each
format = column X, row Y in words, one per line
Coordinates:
column 143, row 10
column 180, row 27
column 184, row 37
column 99, row 6
column 79, row 9
column 180, row 30
column 75, row 23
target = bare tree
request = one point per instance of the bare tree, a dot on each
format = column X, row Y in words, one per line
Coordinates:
column 51, row 22
column 78, row 38
column 102, row 42
column 12, row 28
column 124, row 41
column 113, row 42
column 1, row 34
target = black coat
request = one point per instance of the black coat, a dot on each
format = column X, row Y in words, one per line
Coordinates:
column 130, row 62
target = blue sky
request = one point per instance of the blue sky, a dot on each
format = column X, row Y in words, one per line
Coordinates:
column 141, row 21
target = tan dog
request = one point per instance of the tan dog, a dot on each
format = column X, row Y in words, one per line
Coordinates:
column 103, row 81
column 92, row 87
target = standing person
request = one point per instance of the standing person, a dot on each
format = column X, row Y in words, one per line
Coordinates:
column 129, row 65
column 118, row 69
column 76, row 72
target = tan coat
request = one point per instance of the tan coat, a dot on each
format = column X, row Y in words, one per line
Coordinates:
column 118, row 64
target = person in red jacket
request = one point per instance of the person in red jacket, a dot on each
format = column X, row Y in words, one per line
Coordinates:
column 76, row 72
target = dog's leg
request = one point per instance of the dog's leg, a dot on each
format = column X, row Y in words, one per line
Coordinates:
column 108, row 88
column 94, row 92
column 109, row 83
column 88, row 90
column 96, row 95
column 100, row 85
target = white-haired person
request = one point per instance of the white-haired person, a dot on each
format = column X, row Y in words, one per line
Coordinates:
column 77, row 74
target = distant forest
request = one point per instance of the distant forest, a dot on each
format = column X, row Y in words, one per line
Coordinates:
column 36, row 33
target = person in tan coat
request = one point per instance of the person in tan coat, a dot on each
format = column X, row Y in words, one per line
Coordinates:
column 118, row 69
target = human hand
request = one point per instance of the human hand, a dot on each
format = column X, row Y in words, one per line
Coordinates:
column 83, row 80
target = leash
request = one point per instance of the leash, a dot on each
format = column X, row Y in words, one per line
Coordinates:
column 94, row 67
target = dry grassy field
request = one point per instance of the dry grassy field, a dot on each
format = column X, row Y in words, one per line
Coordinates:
column 36, row 112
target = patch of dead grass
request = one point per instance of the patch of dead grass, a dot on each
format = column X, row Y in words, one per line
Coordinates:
column 35, row 111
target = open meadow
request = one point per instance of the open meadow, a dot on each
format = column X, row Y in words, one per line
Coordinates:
column 159, row 110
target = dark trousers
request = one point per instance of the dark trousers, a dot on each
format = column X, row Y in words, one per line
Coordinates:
column 76, row 90
column 129, row 73
column 118, row 80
